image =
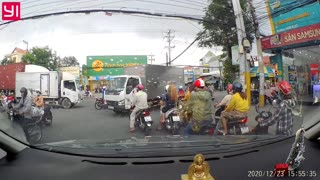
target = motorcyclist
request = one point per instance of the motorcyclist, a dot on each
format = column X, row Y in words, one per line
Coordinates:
column 140, row 102
column 171, row 98
column 283, row 115
column 224, row 102
column 188, row 94
column 38, row 100
column 181, row 92
column 238, row 106
column 24, row 107
column 103, row 91
column 200, row 106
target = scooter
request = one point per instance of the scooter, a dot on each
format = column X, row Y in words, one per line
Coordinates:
column 236, row 126
column 32, row 129
column 144, row 121
column 172, row 121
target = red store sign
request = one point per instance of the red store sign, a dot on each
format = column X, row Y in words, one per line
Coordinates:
column 295, row 36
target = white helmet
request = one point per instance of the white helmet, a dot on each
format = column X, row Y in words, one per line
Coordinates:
column 104, row 87
column 166, row 88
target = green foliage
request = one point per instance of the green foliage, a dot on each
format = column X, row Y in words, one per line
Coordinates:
column 69, row 61
column 43, row 57
column 6, row 60
column 229, row 70
column 220, row 25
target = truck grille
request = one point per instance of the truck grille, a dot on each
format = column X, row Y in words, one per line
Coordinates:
column 112, row 103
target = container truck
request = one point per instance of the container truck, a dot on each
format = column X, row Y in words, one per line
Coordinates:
column 154, row 78
column 59, row 88
column 8, row 74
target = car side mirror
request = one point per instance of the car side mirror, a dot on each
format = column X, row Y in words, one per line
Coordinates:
column 275, row 103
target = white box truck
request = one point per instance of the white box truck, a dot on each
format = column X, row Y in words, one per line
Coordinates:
column 56, row 87
column 154, row 78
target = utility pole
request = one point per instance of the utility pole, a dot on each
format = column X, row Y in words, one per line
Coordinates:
column 151, row 58
column 244, row 66
column 169, row 36
column 260, row 57
column 26, row 42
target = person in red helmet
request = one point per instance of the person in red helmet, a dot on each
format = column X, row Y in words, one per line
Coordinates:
column 200, row 108
column 283, row 115
column 140, row 102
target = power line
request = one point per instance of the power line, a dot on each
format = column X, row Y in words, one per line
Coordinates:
column 188, row 46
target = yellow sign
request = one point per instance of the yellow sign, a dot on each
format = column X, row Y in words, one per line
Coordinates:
column 300, row 16
column 72, row 70
column 97, row 65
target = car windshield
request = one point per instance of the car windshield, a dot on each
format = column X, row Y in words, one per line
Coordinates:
column 117, row 83
column 169, row 73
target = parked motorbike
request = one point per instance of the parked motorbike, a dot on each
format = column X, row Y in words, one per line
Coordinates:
column 236, row 126
column 99, row 104
column 172, row 121
column 144, row 121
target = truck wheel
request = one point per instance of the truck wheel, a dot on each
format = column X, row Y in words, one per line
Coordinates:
column 66, row 103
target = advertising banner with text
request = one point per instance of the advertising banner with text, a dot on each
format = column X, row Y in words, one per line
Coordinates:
column 295, row 36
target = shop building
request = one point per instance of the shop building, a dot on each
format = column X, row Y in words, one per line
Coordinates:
column 295, row 43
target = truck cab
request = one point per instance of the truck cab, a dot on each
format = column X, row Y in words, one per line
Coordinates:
column 119, row 92
column 69, row 90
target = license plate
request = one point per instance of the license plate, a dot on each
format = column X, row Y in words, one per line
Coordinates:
column 110, row 107
column 244, row 129
column 175, row 118
column 147, row 118
column 11, row 113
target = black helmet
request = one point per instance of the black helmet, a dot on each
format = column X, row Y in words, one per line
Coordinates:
column 237, row 87
column 23, row 89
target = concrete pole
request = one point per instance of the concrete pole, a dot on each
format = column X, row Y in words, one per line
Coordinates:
column 244, row 66
column 260, row 56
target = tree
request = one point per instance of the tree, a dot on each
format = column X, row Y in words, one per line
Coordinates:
column 229, row 70
column 69, row 61
column 43, row 57
column 220, row 25
column 220, row 30
column 6, row 60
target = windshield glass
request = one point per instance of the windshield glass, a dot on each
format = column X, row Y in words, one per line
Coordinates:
column 117, row 83
column 202, row 73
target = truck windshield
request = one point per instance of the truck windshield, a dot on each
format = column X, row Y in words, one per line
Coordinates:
column 117, row 84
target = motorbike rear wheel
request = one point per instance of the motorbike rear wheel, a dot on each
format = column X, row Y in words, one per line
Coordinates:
column 147, row 131
column 175, row 128
column 34, row 134
column 98, row 105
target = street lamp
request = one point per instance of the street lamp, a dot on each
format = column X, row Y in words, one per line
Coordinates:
column 26, row 42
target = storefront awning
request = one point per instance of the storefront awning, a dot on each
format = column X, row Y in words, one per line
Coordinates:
column 268, row 72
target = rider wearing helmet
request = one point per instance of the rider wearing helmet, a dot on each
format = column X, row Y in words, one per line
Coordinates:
column 238, row 106
column 283, row 115
column 38, row 100
column 200, row 106
column 170, row 100
column 24, row 107
column 140, row 101
column 181, row 92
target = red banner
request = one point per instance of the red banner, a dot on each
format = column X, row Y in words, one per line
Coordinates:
column 295, row 36
column 314, row 68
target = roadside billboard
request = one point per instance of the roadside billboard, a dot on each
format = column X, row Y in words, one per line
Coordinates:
column 285, row 15
column 112, row 65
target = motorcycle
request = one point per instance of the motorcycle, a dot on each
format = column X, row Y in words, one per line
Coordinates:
column 32, row 129
column 144, row 121
column 46, row 118
column 100, row 103
column 236, row 126
column 172, row 121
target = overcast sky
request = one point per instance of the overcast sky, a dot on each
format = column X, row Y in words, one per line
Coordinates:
column 83, row 35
